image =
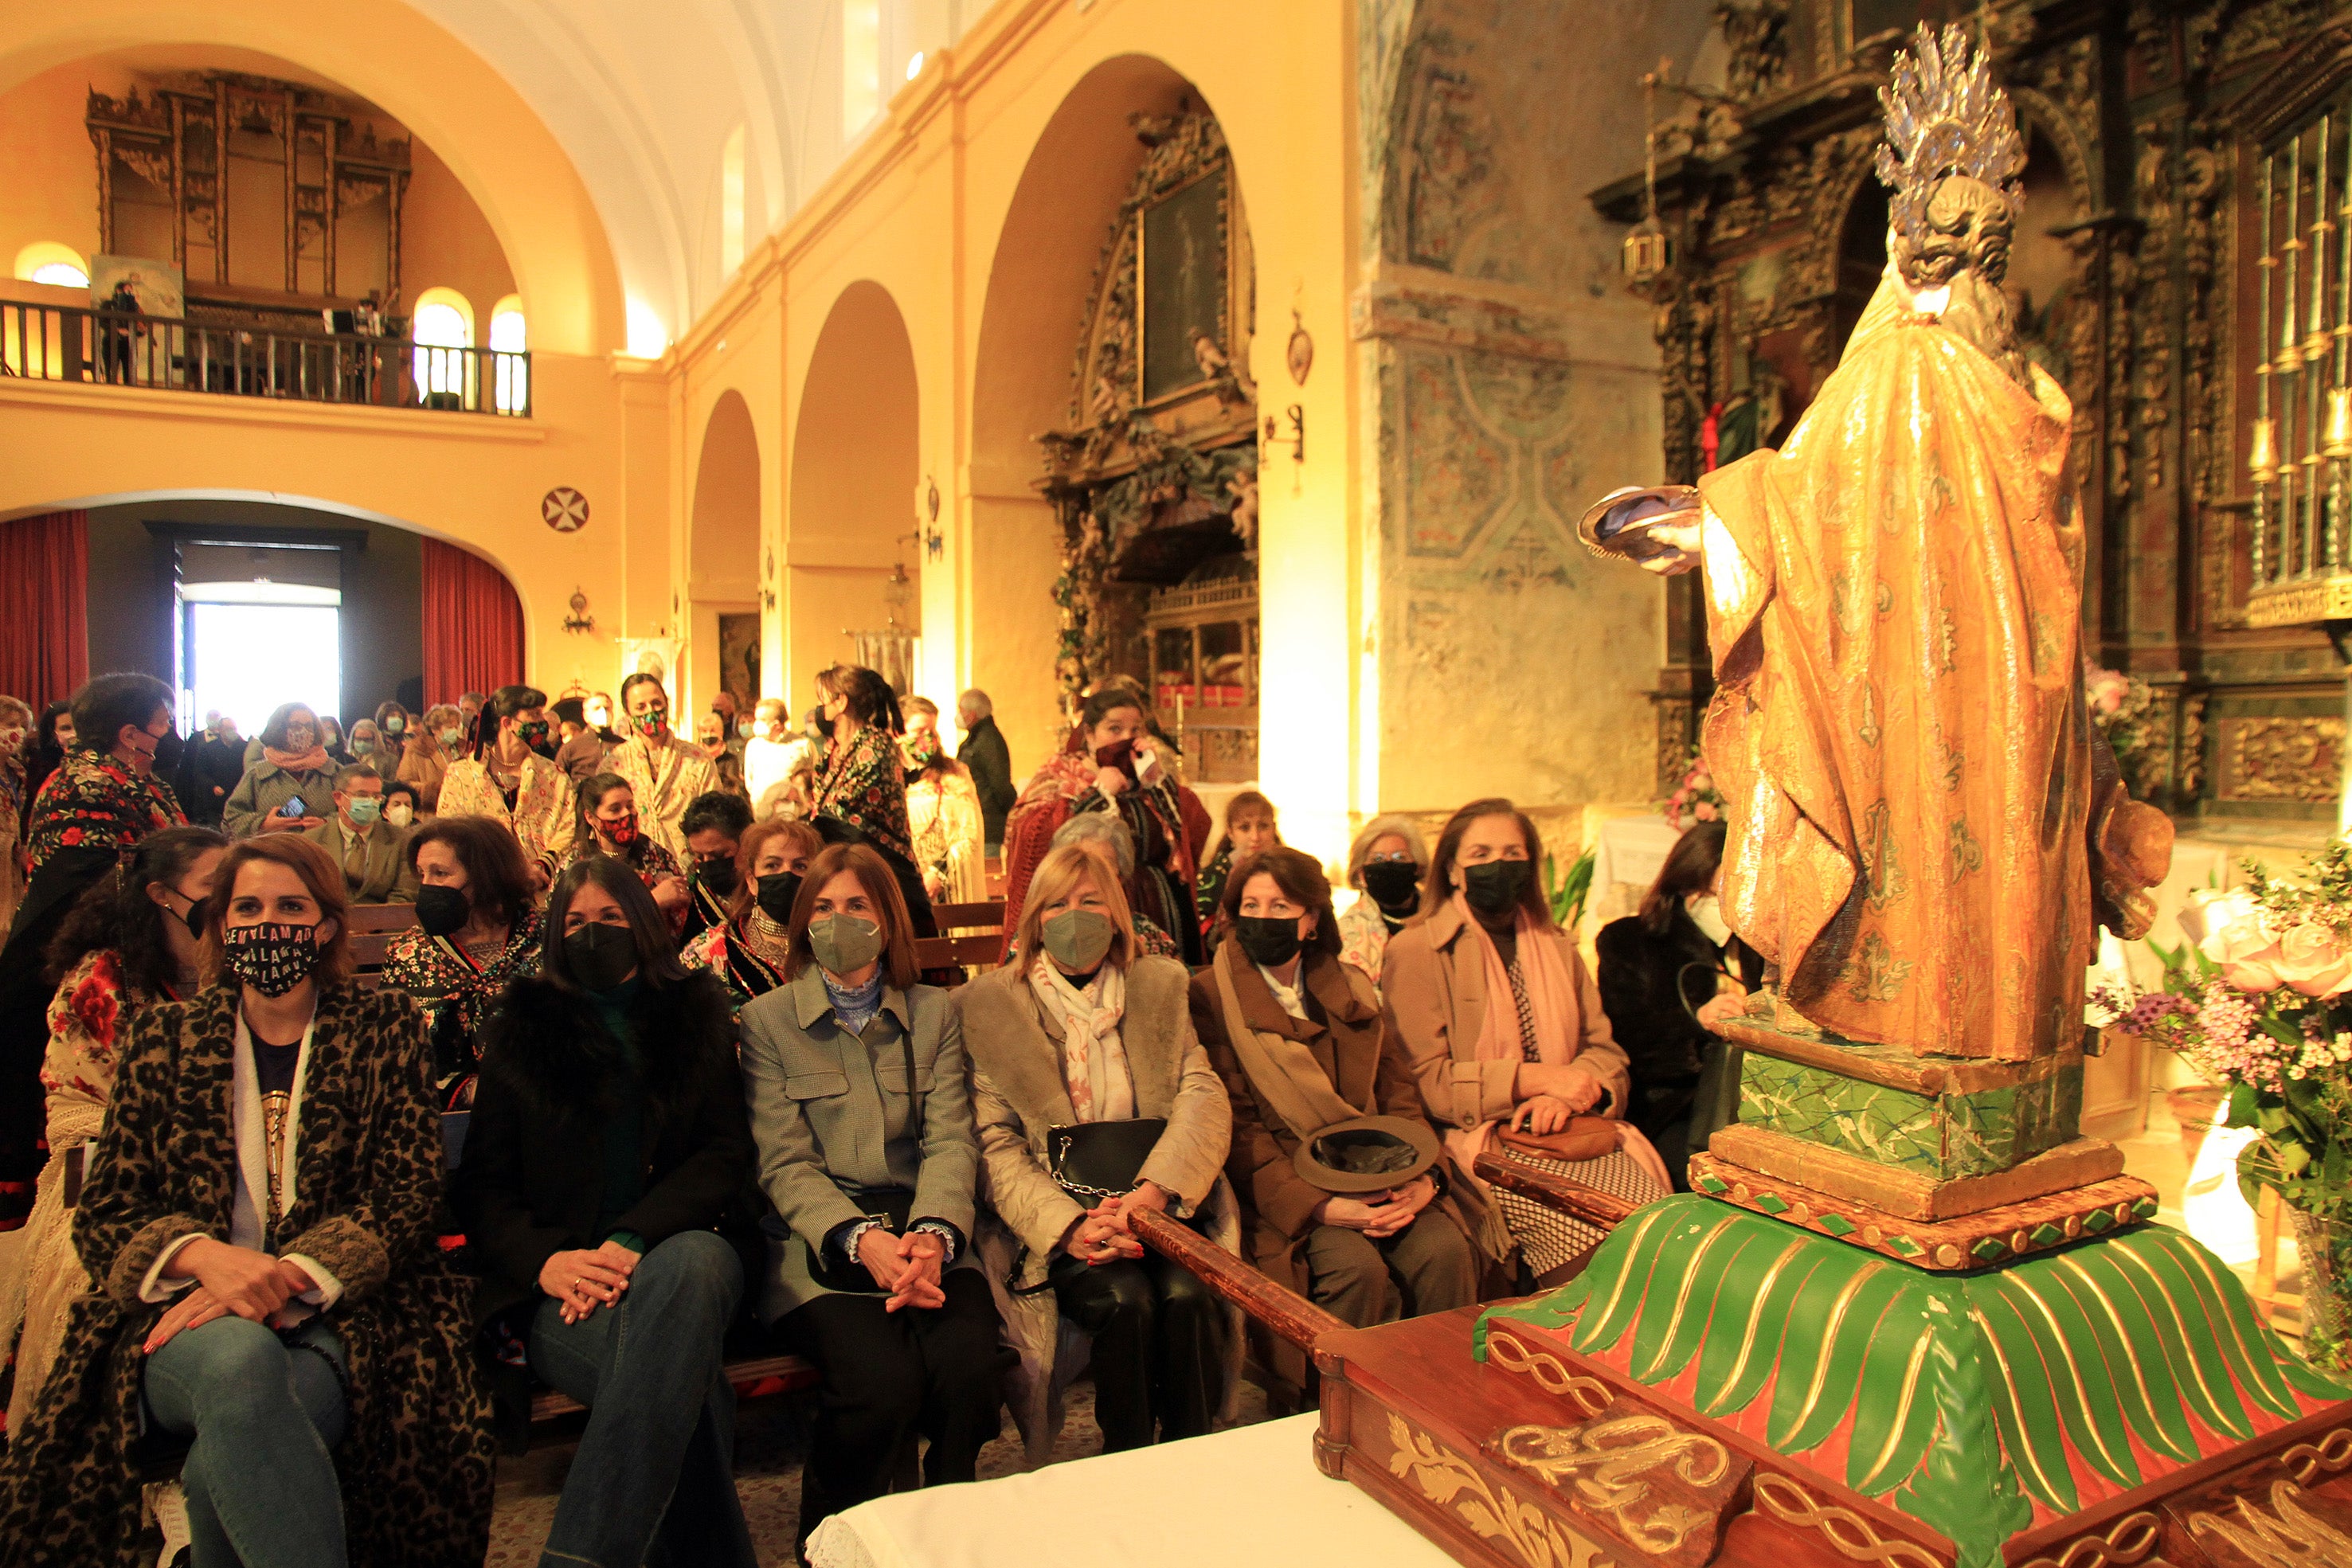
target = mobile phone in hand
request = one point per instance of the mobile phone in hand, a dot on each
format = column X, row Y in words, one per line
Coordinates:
column 294, row 807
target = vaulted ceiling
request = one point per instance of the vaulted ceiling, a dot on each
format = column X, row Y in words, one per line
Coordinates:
column 644, row 96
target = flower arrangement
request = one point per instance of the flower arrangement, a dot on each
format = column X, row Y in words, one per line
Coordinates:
column 1695, row 798
column 2259, row 1000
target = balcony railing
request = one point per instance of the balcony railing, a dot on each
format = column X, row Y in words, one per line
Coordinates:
column 62, row 343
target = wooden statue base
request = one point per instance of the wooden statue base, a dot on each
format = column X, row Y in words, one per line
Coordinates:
column 2173, row 1436
column 1974, row 1240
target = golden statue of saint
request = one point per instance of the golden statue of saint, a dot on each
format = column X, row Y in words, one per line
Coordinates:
column 1894, row 603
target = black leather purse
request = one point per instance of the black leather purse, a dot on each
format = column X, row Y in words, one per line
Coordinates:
column 1095, row 1160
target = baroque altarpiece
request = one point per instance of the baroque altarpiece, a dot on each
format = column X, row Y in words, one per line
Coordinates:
column 1154, row 477
column 2180, row 272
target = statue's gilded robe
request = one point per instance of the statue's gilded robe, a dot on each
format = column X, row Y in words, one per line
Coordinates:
column 1898, row 726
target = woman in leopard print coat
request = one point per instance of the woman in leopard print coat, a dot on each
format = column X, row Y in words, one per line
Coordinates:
column 414, row 1461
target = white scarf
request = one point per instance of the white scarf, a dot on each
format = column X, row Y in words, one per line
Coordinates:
column 249, row 1209
column 1094, row 1061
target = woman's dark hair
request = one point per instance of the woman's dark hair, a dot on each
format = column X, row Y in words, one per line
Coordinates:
column 46, row 726
column 721, row 808
column 1300, row 877
column 630, row 683
column 881, row 891
column 273, row 734
column 1438, row 886
column 1690, row 868
column 871, row 701
column 401, row 786
column 589, row 795
column 507, row 702
column 409, row 722
column 106, row 702
column 497, row 879
column 1105, row 700
column 657, row 964
column 115, row 911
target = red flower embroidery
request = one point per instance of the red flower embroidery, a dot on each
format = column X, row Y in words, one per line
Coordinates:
column 71, row 836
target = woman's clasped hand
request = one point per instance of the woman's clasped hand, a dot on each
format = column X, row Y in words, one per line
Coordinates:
column 585, row 1279
column 907, row 1266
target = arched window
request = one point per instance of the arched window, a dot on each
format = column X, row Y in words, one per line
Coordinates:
column 442, row 320
column 47, row 261
column 510, row 337
column 861, row 64
column 730, row 204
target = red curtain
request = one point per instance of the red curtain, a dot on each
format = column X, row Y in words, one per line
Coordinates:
column 44, row 595
column 473, row 625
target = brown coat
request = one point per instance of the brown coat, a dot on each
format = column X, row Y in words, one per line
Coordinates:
column 1358, row 1050
column 1434, row 982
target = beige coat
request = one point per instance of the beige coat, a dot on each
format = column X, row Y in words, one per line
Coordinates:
column 388, row 878
column 1433, row 983
column 1018, row 1095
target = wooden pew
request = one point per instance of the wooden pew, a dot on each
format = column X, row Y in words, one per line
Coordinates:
column 977, row 938
column 1279, row 1308
column 372, row 926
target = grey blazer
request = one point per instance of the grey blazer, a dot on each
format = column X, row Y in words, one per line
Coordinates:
column 831, row 1113
column 389, row 879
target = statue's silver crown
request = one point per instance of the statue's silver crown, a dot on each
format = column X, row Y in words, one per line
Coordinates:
column 1944, row 117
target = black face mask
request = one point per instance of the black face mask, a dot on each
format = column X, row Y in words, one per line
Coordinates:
column 272, row 958
column 1267, row 939
column 601, row 957
column 1493, row 886
column 1392, row 885
column 779, row 891
column 717, row 875
column 441, row 911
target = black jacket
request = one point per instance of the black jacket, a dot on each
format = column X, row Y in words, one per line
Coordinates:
column 208, row 773
column 984, row 752
column 1652, row 985
column 534, row 1173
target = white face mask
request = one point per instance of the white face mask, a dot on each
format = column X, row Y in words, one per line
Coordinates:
column 1706, row 913
column 399, row 814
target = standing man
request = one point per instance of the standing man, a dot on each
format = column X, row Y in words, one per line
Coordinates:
column 664, row 774
column 210, row 768
column 984, row 752
column 372, row 853
column 582, row 755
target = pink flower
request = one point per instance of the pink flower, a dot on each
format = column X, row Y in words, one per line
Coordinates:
column 2314, row 961
column 1707, row 813
column 2105, row 690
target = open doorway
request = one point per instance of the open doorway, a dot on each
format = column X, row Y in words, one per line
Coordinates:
column 259, row 625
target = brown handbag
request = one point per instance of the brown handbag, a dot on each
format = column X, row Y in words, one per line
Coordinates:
column 1584, row 1138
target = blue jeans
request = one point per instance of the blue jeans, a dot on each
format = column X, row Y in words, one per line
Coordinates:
column 266, row 1414
column 653, row 1481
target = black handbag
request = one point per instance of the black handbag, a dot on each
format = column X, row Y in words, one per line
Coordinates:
column 1097, row 1161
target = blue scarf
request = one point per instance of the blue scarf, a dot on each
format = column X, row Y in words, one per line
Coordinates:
column 853, row 1010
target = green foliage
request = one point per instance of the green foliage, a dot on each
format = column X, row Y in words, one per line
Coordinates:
column 1566, row 894
column 1961, row 1399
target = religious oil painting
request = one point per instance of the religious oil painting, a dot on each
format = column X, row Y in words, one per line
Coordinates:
column 1182, row 283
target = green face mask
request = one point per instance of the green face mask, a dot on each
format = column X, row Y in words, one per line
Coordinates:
column 844, row 944
column 1076, row 939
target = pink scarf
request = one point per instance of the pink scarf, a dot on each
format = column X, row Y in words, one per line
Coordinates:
column 311, row 761
column 1559, row 1028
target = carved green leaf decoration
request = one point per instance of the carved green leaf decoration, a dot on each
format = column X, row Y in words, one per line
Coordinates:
column 1966, row 1398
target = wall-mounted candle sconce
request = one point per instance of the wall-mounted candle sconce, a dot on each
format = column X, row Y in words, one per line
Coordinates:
column 578, row 620
column 1297, row 440
column 934, row 542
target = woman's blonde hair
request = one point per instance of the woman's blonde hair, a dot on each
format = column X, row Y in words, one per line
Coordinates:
column 1060, row 873
column 320, row 876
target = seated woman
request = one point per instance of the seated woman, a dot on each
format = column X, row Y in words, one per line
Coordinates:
column 477, row 928
column 1307, row 1056
column 1078, row 1031
column 1116, row 769
column 1250, row 828
column 1109, row 835
column 751, row 950
column 292, row 775
column 1506, row 1032
column 129, row 943
column 258, row 1227
column 608, row 1148
column 608, row 825
column 1385, row 864
column 857, row 1082
column 1669, row 974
